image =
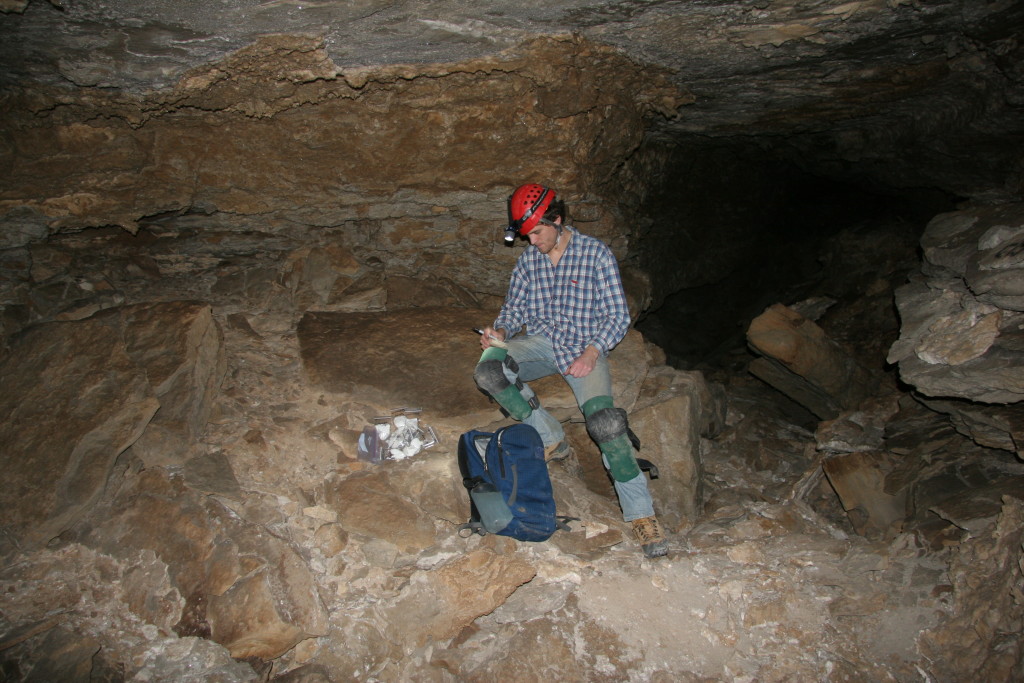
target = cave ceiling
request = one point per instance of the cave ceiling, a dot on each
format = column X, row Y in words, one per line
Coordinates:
column 910, row 93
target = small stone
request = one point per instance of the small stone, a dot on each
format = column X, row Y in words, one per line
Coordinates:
column 321, row 513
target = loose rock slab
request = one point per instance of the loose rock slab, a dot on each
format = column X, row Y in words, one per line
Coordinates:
column 420, row 358
column 424, row 358
column 72, row 401
column 807, row 365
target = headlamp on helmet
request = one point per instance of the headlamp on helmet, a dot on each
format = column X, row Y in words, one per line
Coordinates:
column 526, row 207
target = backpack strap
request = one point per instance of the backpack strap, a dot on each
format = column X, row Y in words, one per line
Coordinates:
column 469, row 528
column 501, row 464
column 473, row 525
column 562, row 522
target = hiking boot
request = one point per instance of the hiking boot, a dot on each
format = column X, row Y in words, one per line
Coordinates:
column 556, row 451
column 651, row 538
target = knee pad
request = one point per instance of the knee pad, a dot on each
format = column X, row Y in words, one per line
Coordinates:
column 607, row 424
column 490, row 375
column 496, row 376
column 609, row 427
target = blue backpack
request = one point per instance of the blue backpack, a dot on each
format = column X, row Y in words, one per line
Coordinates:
column 508, row 484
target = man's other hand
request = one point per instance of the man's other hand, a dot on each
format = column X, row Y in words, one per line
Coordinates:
column 582, row 366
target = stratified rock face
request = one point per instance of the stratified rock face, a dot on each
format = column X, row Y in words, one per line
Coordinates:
column 297, row 138
column 78, row 394
column 326, row 190
column 961, row 320
column 872, row 83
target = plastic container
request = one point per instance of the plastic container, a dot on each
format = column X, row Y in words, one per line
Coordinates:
column 371, row 446
column 494, row 512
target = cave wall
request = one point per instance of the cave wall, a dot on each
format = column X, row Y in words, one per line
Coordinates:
column 398, row 137
column 405, row 161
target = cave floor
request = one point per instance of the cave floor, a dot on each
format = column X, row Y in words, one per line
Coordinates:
column 771, row 584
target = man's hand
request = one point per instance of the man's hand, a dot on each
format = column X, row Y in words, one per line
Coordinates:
column 582, row 366
column 489, row 335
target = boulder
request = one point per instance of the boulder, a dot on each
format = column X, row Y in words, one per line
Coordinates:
column 372, row 505
column 83, row 392
column 596, row 520
column 248, row 619
column 675, row 410
column 676, row 453
column 859, row 479
column 243, row 587
column 436, row 605
column 419, row 357
column 952, row 345
column 801, row 361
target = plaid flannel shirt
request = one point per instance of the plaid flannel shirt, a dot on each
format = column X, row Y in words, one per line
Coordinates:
column 578, row 303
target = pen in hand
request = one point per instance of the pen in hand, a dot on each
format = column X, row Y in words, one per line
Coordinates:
column 494, row 340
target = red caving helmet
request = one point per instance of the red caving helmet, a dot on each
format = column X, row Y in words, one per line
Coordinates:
column 526, row 206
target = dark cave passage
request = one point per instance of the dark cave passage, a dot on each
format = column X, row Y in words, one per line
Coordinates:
column 731, row 229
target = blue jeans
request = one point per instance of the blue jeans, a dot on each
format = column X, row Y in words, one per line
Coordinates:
column 536, row 358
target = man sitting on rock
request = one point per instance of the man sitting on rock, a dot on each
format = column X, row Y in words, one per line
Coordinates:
column 567, row 291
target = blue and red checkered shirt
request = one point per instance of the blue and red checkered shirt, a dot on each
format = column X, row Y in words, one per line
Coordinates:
column 578, row 303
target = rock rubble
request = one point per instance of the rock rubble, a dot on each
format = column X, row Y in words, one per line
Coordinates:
column 263, row 538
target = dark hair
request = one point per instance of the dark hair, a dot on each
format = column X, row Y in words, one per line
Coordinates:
column 556, row 209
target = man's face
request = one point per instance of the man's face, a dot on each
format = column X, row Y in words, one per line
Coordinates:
column 544, row 237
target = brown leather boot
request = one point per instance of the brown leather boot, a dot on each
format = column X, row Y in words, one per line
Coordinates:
column 557, row 451
column 652, row 539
